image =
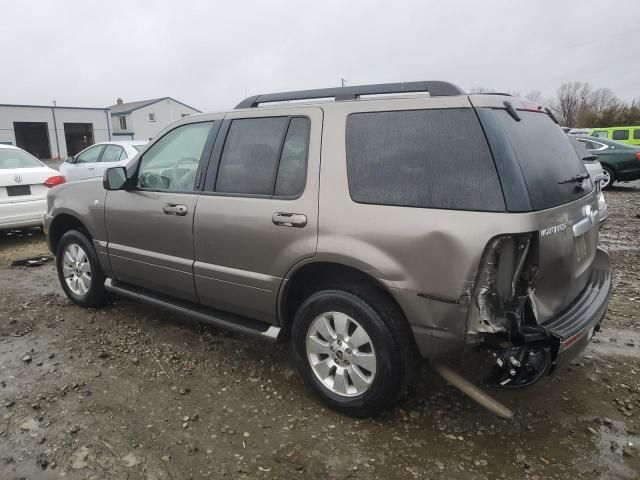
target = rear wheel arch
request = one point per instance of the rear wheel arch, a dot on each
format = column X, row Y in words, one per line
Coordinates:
column 61, row 224
column 314, row 277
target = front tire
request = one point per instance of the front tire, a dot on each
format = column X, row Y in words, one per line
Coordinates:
column 354, row 358
column 79, row 271
column 609, row 177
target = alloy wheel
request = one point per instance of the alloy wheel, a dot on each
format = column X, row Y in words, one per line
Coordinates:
column 76, row 269
column 341, row 354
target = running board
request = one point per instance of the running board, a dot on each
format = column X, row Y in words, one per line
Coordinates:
column 216, row 318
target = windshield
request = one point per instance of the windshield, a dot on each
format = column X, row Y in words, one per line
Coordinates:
column 552, row 170
column 16, row 158
column 138, row 147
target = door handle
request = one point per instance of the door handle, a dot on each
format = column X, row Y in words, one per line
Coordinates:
column 284, row 219
column 175, row 209
column 91, row 168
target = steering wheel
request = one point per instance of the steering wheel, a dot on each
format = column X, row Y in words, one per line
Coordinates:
column 176, row 175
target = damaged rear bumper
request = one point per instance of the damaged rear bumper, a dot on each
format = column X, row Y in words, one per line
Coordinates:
column 558, row 340
column 575, row 326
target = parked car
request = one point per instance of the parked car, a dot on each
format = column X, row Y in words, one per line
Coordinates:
column 94, row 160
column 629, row 135
column 24, row 182
column 595, row 170
column 620, row 161
column 578, row 131
column 436, row 225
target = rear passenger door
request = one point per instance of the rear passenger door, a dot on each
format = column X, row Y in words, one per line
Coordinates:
column 110, row 155
column 257, row 215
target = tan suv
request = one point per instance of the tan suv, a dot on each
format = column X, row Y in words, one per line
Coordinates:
column 370, row 225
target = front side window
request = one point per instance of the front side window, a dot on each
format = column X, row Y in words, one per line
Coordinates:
column 620, row 135
column 265, row 156
column 171, row 163
column 123, row 122
column 113, row 153
column 90, row 155
column 421, row 158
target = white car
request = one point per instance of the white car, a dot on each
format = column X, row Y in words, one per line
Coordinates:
column 24, row 182
column 94, row 160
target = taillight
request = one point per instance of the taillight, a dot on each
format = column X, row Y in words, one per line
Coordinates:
column 638, row 155
column 53, row 181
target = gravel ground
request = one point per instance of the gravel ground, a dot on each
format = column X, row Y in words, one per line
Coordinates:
column 130, row 391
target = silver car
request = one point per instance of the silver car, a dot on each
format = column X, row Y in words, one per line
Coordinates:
column 370, row 230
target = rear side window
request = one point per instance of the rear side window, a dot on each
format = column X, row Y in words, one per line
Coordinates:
column 421, row 158
column 113, row 153
column 265, row 156
column 636, row 134
column 292, row 171
column 620, row 135
column 544, row 154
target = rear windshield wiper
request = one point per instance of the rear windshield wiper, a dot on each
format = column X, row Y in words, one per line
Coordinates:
column 511, row 111
column 578, row 179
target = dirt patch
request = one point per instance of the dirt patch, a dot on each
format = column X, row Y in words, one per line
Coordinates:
column 130, row 391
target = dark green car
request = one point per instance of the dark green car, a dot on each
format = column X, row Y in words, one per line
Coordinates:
column 620, row 161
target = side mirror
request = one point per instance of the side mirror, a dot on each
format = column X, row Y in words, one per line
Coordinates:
column 115, row 178
column 70, row 159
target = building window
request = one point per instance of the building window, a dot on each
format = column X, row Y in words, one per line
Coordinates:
column 123, row 122
column 184, row 115
column 152, row 117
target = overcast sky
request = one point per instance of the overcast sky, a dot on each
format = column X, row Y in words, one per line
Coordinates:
column 207, row 54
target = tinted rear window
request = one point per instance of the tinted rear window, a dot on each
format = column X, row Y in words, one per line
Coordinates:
column 421, row 158
column 545, row 156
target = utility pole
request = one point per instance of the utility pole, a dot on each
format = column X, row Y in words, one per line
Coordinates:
column 343, row 82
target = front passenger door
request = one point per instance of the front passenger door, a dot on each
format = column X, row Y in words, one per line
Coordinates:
column 84, row 164
column 150, row 225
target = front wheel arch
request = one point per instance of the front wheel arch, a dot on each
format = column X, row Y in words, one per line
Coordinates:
column 60, row 225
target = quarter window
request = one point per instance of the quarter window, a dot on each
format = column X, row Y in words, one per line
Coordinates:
column 113, row 153
column 620, row 135
column 421, row 158
column 264, row 156
column 171, row 163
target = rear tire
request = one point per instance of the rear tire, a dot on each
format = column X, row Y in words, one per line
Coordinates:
column 79, row 271
column 355, row 356
column 609, row 178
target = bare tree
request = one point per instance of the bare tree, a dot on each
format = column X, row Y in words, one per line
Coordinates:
column 534, row 96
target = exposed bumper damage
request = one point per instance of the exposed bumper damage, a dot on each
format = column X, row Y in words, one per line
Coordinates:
column 503, row 321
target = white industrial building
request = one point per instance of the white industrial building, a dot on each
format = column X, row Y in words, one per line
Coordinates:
column 143, row 119
column 51, row 131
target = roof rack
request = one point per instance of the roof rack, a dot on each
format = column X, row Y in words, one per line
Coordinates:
column 435, row 88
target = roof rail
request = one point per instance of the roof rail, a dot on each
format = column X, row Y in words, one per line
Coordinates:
column 435, row 88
